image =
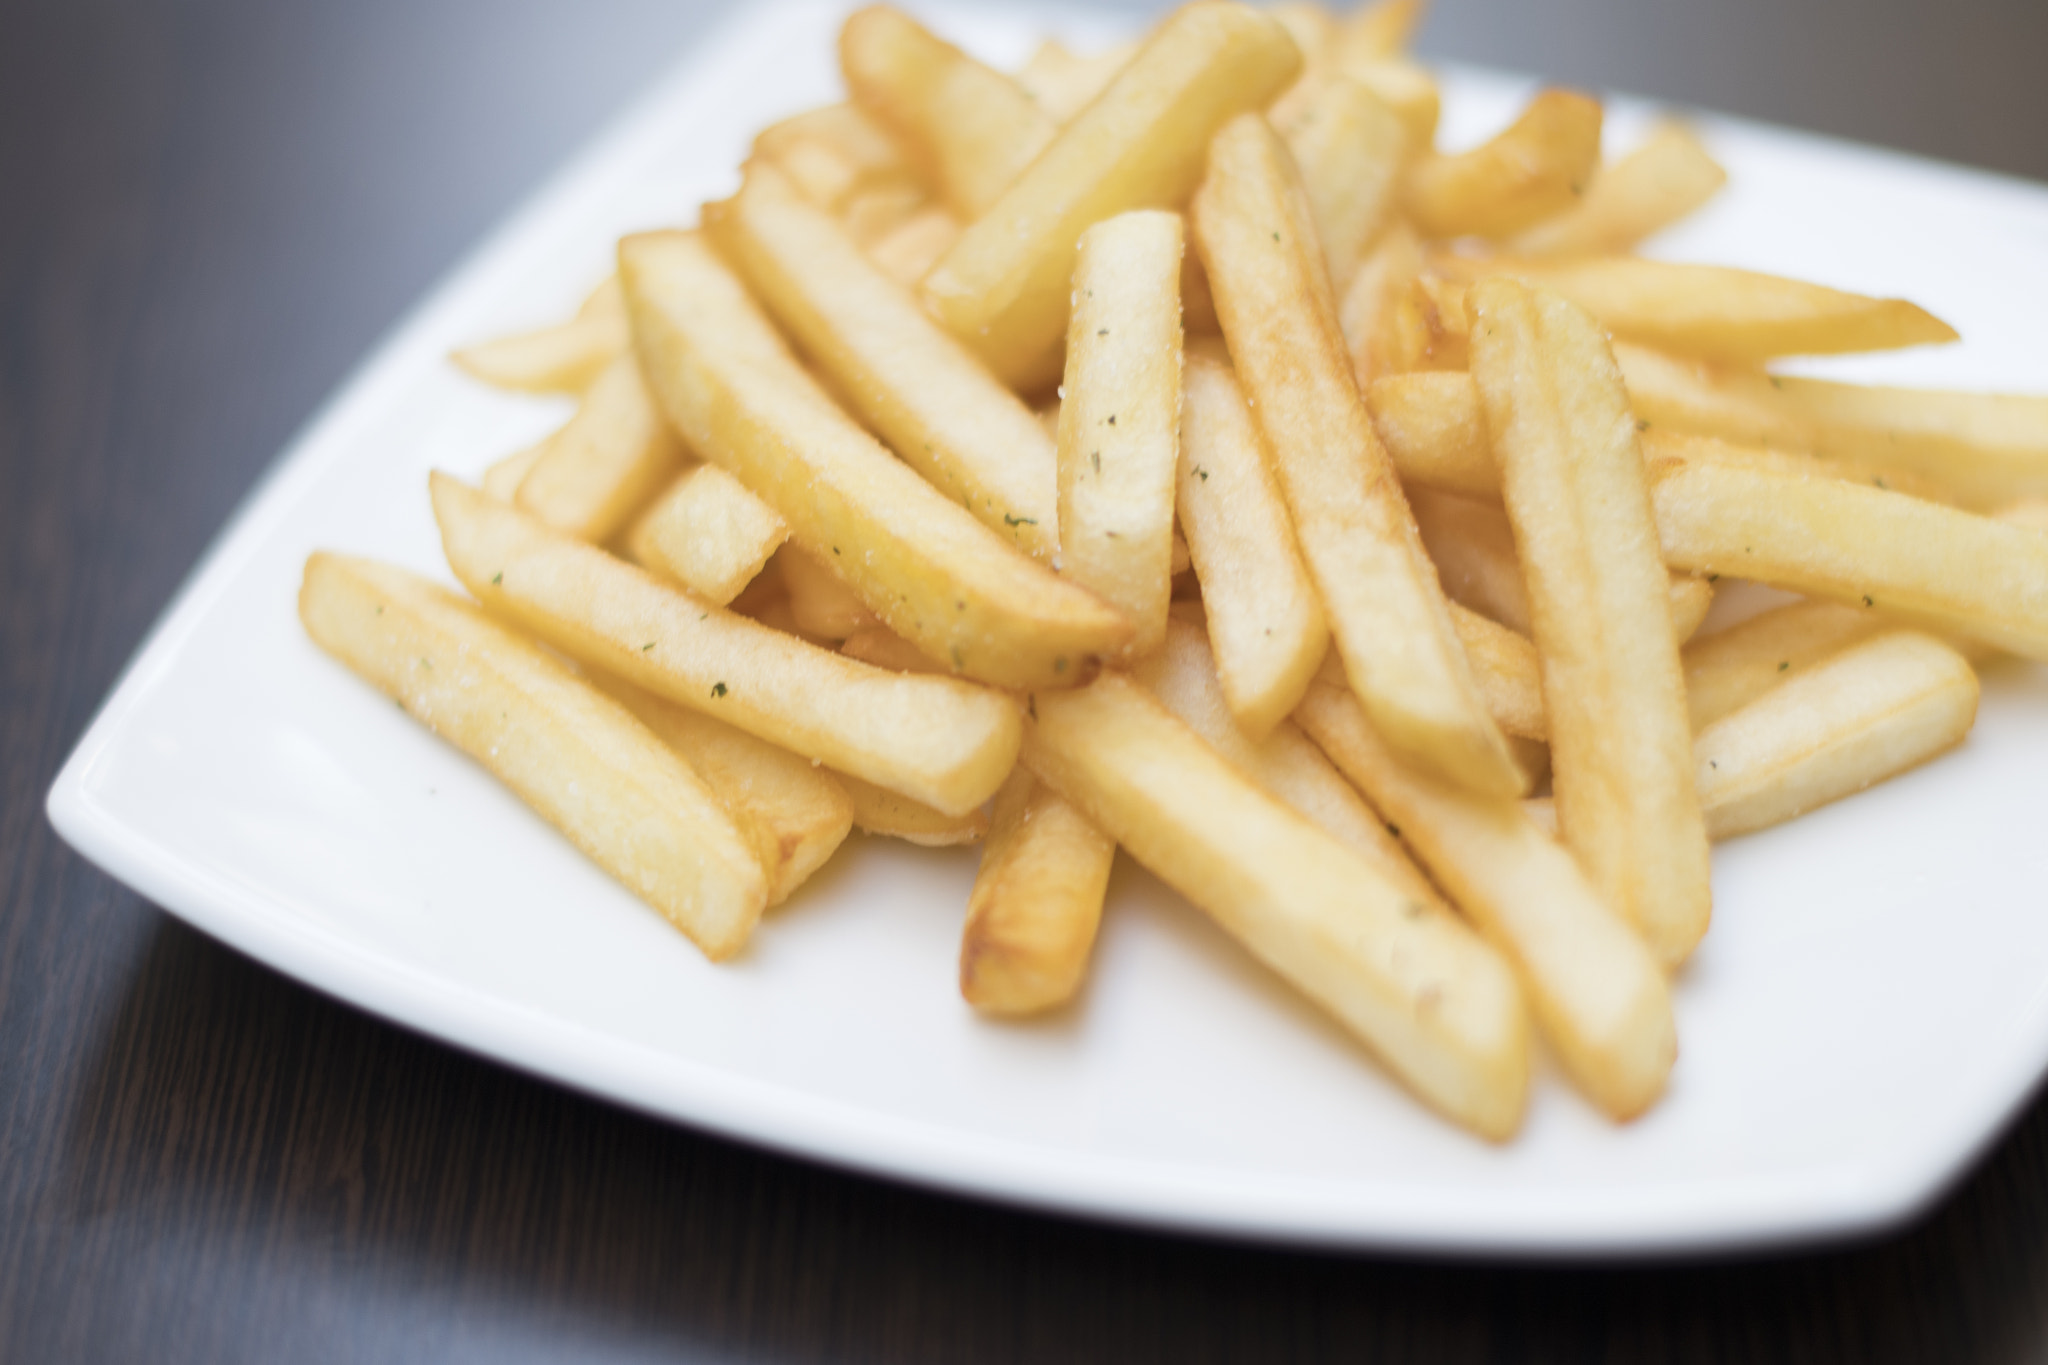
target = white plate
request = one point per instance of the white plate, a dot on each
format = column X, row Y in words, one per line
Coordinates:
column 1871, row 1005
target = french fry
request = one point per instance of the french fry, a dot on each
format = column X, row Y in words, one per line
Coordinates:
column 1063, row 84
column 971, row 127
column 1284, row 762
column 905, row 376
column 1036, row 903
column 577, row 758
column 1673, row 393
column 1350, row 149
column 1377, row 31
column 892, row 815
column 604, row 465
column 1718, row 313
column 1534, row 169
column 565, row 358
column 1729, row 669
column 884, row 648
column 834, row 152
column 823, row 607
column 1666, row 177
column 1509, row 675
column 1407, row 89
column 1868, row 713
column 1120, row 418
column 1424, row 328
column 708, row 533
column 920, row 562
column 792, row 812
column 1384, row 606
column 1597, row 993
column 1264, row 620
column 1366, row 310
column 1721, row 511
column 1435, row 1004
column 1004, row 286
column 873, row 214
column 907, row 252
column 1574, row 486
column 944, row 742
column 502, row 479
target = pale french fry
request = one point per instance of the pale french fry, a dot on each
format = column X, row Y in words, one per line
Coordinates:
column 920, row 562
column 608, row 300
column 1063, row 83
column 1731, row 668
column 1284, row 762
column 1377, row 31
column 834, row 152
column 1574, row 486
column 1597, row 993
column 792, row 812
column 708, row 533
column 971, row 127
column 565, row 358
column 1120, row 418
column 884, row 648
column 871, row 215
column 906, row 377
column 1509, row 675
column 1429, row 999
column 1384, row 606
column 1350, row 149
column 502, row 479
column 907, row 252
column 1720, row 511
column 1719, row 313
column 605, row 464
column 892, row 815
column 944, row 742
column 1868, row 713
column 1263, row 617
column 1036, row 903
column 1377, row 287
column 823, row 607
column 1004, row 286
column 1534, row 169
column 1424, row 328
column 578, row 758
column 1672, row 393
column 1666, row 177
column 1408, row 90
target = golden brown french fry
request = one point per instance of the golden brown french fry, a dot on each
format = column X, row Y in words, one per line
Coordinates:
column 1574, row 485
column 1004, row 286
column 834, row 152
column 823, row 607
column 1036, row 903
column 920, row 562
column 1350, row 149
column 907, row 252
column 1598, row 994
column 1063, row 84
column 1120, row 418
column 1532, row 170
column 1429, row 999
column 1264, row 619
column 1868, row 713
column 502, row 479
column 892, row 815
column 792, row 812
column 1721, row 511
column 1720, row 313
column 1379, row 593
column 708, row 533
column 906, row 377
column 1667, row 176
column 579, row 759
column 1284, row 762
column 971, row 127
column 944, row 742
column 604, row 465
column 1731, row 668
column 565, row 358
column 1377, row 31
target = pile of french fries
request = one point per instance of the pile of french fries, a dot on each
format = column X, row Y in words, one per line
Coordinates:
column 1172, row 449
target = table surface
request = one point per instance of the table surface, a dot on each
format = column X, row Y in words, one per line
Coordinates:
column 210, row 211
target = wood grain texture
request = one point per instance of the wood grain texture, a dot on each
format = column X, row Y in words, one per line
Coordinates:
column 208, row 211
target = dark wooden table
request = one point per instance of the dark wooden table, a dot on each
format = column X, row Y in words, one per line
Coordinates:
column 208, row 211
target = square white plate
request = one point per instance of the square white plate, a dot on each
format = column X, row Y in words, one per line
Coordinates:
column 1871, row 1005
